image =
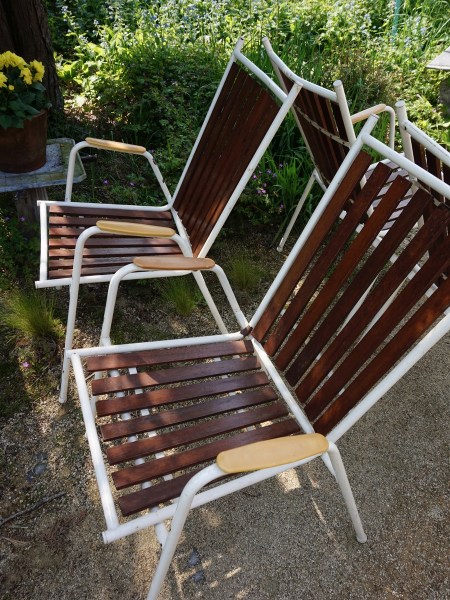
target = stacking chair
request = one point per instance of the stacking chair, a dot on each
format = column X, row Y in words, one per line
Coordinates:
column 98, row 239
column 349, row 313
column 326, row 125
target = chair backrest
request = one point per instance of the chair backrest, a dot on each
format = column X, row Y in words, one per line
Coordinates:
column 322, row 116
column 347, row 315
column 243, row 118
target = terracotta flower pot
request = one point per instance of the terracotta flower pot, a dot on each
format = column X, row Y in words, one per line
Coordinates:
column 23, row 150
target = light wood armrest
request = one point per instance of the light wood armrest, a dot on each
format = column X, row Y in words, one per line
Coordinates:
column 135, row 229
column 173, row 263
column 115, row 146
column 272, row 453
column 365, row 114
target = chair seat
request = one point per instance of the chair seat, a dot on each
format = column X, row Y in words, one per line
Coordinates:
column 205, row 399
column 104, row 253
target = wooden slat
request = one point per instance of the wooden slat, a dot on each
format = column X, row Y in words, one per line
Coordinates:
column 394, row 350
column 329, row 217
column 348, row 335
column 72, row 208
column 188, row 435
column 174, row 375
column 195, row 456
column 318, row 273
column 243, row 114
column 167, row 355
column 144, row 424
column 105, row 241
column 193, row 391
column 362, row 281
column 162, row 492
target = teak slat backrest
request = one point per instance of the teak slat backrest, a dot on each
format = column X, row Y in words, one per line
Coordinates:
column 346, row 312
column 242, row 116
column 322, row 127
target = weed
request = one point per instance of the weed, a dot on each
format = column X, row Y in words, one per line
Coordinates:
column 243, row 273
column 29, row 314
column 181, row 293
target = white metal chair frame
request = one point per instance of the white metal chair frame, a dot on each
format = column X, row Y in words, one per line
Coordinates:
column 336, row 97
column 192, row 496
column 180, row 236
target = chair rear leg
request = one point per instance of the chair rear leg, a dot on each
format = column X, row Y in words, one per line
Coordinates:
column 298, row 208
column 344, row 485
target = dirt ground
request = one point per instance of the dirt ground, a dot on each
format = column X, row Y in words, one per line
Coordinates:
column 287, row 539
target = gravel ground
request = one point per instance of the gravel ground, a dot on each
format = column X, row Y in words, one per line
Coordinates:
column 287, row 539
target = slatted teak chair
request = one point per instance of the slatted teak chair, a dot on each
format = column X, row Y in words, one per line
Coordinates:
column 98, row 239
column 347, row 315
column 326, row 125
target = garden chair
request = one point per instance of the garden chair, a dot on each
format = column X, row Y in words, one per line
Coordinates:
column 348, row 314
column 244, row 115
column 326, row 125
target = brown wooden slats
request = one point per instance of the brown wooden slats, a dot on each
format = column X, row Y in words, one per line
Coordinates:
column 330, row 357
column 327, row 153
column 84, row 222
column 339, row 275
column 362, row 281
column 394, row 350
column 319, row 271
column 182, row 460
column 100, row 242
column 167, row 355
column 167, row 418
column 174, row 375
column 399, row 308
column 241, row 117
column 308, row 251
column 100, row 211
column 64, row 255
column 162, row 492
column 194, row 433
column 180, row 394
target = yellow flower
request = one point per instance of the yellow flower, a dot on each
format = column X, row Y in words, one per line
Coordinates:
column 39, row 70
column 3, row 80
column 11, row 88
column 9, row 59
column 26, row 75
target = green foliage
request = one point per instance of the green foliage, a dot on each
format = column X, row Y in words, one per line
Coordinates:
column 181, row 293
column 19, row 247
column 29, row 314
column 244, row 273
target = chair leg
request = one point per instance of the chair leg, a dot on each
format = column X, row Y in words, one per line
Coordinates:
column 184, row 504
column 210, row 302
column 298, row 208
column 344, row 485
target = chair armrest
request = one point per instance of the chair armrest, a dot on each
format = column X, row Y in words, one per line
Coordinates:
column 135, row 229
column 115, row 146
column 272, row 453
column 173, row 263
column 365, row 114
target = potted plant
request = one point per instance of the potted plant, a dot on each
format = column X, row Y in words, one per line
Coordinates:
column 23, row 114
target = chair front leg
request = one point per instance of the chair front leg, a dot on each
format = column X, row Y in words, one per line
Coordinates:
column 184, row 504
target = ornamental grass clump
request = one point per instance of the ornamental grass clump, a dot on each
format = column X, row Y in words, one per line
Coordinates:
column 22, row 95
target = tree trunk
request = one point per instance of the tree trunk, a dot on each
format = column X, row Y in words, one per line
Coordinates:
column 24, row 30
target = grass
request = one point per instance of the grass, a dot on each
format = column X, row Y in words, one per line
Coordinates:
column 180, row 293
column 30, row 314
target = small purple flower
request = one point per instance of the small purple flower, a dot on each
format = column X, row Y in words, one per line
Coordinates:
column 7, row 218
column 22, row 219
column 25, row 365
column 132, row 184
column 254, row 177
column 105, row 182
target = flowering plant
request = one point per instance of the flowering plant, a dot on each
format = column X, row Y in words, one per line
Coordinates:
column 22, row 94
